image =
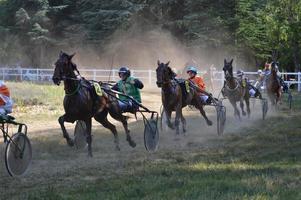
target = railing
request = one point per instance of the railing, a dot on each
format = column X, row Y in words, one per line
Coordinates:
column 147, row 76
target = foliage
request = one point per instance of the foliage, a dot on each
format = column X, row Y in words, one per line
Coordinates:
column 251, row 29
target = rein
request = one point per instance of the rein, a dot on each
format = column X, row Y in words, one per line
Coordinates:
column 75, row 91
column 77, row 88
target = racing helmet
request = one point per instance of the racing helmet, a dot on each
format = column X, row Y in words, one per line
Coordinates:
column 192, row 69
column 124, row 72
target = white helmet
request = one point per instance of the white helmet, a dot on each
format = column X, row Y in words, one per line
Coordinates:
column 259, row 71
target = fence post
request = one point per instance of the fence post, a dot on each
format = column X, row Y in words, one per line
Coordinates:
column 37, row 75
column 150, row 76
column 299, row 81
column 113, row 75
column 94, row 74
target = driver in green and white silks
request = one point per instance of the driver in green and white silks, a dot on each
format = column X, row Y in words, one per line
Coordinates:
column 130, row 86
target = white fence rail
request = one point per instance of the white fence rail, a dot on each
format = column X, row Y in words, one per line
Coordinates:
column 147, row 76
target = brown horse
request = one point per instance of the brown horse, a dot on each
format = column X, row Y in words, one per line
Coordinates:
column 172, row 97
column 273, row 85
column 79, row 103
column 235, row 91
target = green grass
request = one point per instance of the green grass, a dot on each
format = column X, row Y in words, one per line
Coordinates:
column 261, row 161
column 34, row 101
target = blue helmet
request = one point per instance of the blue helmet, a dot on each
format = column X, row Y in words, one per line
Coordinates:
column 124, row 70
column 192, row 69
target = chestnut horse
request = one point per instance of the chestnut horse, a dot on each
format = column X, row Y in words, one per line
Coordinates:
column 273, row 85
column 234, row 91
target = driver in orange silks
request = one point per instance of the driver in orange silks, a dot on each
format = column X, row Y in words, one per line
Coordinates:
column 6, row 103
column 199, row 82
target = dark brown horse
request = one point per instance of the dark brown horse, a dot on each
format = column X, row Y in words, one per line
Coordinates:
column 79, row 103
column 172, row 97
column 235, row 91
column 273, row 85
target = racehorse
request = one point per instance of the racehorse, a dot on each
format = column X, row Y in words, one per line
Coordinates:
column 273, row 85
column 235, row 91
column 172, row 97
column 79, row 103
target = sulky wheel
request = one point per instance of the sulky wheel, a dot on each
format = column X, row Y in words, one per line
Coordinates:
column 151, row 135
column 18, row 154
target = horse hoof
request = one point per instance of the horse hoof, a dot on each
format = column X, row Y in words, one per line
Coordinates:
column 209, row 123
column 132, row 144
column 90, row 155
column 70, row 142
column 117, row 148
column 244, row 113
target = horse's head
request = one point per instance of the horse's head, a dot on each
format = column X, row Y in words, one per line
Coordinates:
column 274, row 67
column 228, row 69
column 63, row 68
column 164, row 73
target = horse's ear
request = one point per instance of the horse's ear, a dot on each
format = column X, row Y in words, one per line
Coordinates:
column 71, row 56
column 158, row 62
column 167, row 63
column 231, row 61
column 225, row 61
column 61, row 53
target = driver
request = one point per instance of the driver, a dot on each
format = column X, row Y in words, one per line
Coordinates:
column 253, row 91
column 199, row 82
column 6, row 103
column 130, row 86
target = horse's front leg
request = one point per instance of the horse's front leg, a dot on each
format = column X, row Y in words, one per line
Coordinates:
column 61, row 120
column 168, row 118
column 89, row 136
column 241, row 103
column 279, row 94
column 177, row 118
column 236, row 111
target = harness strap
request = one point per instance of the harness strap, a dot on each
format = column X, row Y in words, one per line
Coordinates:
column 75, row 91
column 232, row 90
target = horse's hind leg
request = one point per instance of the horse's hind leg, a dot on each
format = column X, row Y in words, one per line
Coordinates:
column 61, row 120
column 127, row 131
column 116, row 114
column 89, row 136
column 203, row 113
column 105, row 122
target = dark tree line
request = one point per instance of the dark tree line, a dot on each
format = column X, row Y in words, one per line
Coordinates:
column 32, row 31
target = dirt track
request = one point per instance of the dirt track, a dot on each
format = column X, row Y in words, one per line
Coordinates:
column 56, row 163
